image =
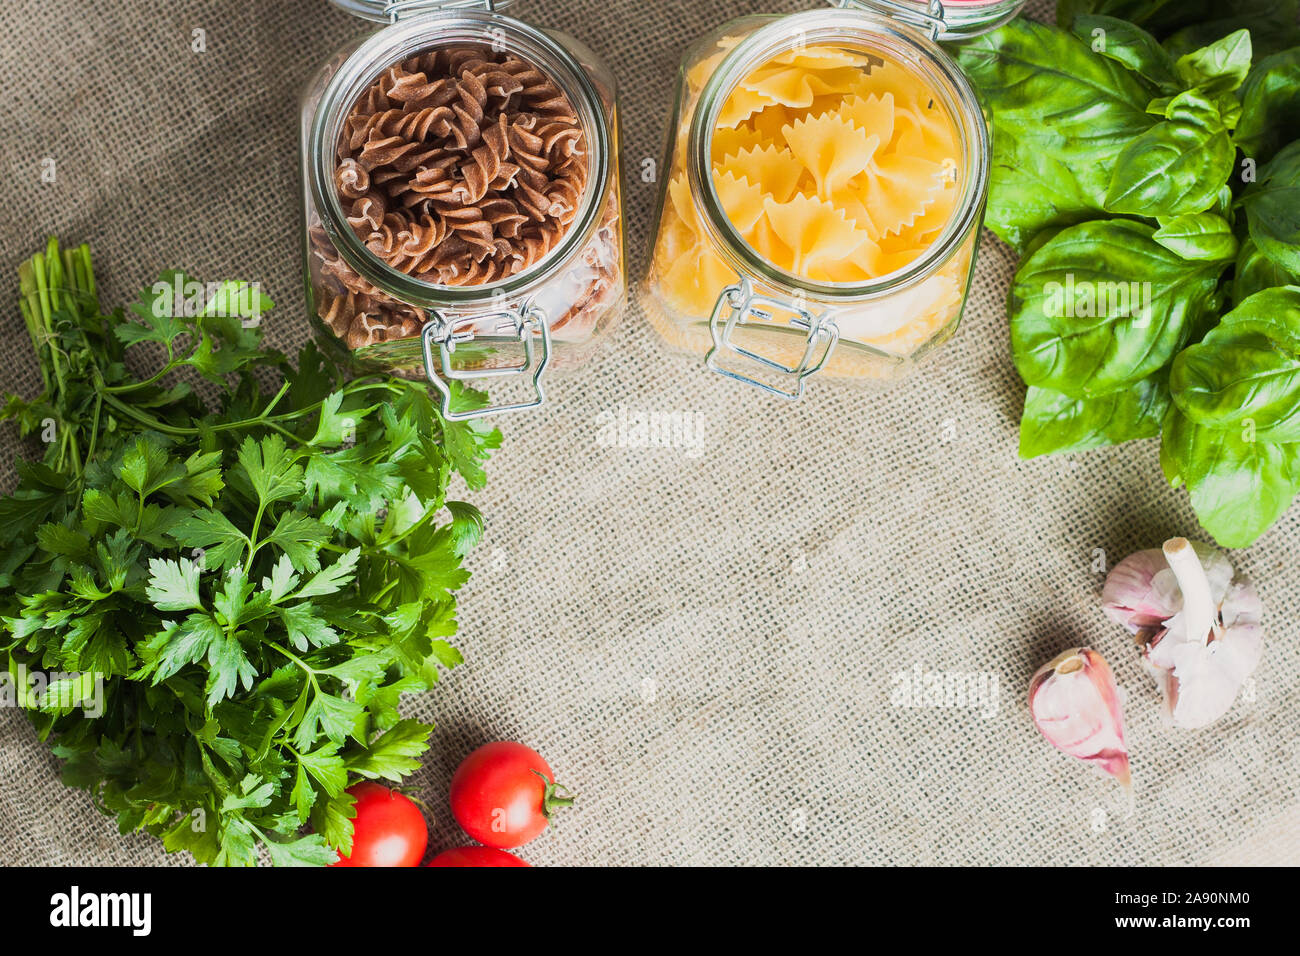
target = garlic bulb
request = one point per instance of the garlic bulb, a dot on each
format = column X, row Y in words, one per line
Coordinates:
column 1199, row 628
column 1075, row 705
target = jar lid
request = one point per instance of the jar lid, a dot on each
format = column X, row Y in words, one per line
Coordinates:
column 388, row 11
column 942, row 19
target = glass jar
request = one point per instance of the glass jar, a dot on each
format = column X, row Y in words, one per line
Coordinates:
column 462, row 213
column 882, row 269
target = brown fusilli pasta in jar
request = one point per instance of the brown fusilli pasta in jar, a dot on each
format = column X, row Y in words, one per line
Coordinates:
column 463, row 217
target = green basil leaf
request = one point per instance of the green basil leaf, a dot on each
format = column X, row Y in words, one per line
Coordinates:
column 1229, row 107
column 1202, row 235
column 1153, row 13
column 1272, row 27
column 1218, row 68
column 1224, row 204
column 1040, row 240
column 1246, row 372
column 1060, row 115
column 1257, row 272
column 1271, row 313
column 1102, row 306
column 1031, row 193
column 1238, row 487
column 1199, row 22
column 1239, row 377
column 1176, row 167
column 1272, row 207
column 1054, row 423
column 1270, row 115
column 1049, row 90
column 1129, row 45
column 1227, row 104
column 1160, row 106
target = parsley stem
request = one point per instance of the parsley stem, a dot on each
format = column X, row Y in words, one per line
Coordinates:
column 86, row 275
column 380, row 595
column 283, row 431
column 398, row 539
column 94, row 435
column 307, row 668
column 169, row 366
column 39, row 267
column 351, row 388
column 150, row 421
column 76, row 451
column 264, row 420
column 253, row 543
column 147, row 420
column 30, row 306
column 284, row 390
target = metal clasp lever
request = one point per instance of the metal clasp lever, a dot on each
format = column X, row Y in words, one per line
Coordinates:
column 931, row 19
column 738, row 304
column 397, row 9
column 523, row 324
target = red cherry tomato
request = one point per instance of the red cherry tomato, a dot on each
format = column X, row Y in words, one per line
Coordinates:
column 388, row 830
column 476, row 856
column 503, row 795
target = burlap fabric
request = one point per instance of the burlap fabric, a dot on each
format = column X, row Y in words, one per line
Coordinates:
column 704, row 645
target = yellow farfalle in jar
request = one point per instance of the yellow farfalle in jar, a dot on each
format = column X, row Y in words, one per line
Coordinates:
column 836, row 166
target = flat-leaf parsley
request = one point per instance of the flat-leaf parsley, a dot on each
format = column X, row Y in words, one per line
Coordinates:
column 253, row 578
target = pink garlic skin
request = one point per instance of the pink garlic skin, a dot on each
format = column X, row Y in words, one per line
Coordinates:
column 1130, row 598
column 1199, row 675
column 1075, row 704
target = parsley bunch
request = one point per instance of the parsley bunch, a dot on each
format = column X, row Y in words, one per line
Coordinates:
column 252, row 578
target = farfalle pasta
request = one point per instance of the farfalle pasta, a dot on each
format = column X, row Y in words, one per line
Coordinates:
column 834, row 165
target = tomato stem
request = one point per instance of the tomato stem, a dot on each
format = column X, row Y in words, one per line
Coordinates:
column 551, row 801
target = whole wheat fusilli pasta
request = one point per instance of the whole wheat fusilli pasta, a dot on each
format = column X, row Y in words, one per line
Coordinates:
column 459, row 166
column 462, row 166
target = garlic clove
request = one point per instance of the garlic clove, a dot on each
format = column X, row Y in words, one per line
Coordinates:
column 1075, row 704
column 1142, row 592
column 1200, row 629
column 1200, row 680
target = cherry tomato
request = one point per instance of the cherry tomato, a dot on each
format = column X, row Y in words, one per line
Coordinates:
column 476, row 856
column 388, row 830
column 503, row 795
